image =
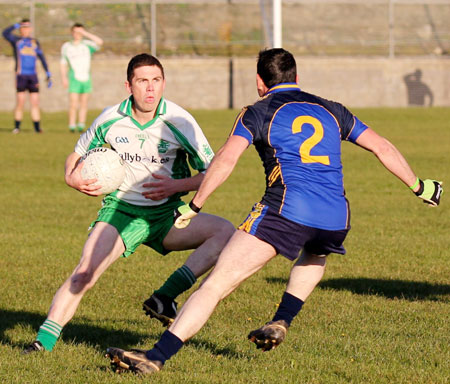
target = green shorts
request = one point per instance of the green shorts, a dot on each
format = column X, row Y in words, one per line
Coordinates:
column 138, row 225
column 76, row 86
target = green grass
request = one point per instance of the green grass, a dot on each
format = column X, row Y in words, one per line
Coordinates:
column 380, row 315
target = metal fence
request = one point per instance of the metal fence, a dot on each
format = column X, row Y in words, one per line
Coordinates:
column 242, row 27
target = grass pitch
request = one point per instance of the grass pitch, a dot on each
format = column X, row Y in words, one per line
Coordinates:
column 380, row 315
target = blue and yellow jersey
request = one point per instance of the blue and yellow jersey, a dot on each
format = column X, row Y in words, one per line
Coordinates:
column 298, row 137
column 26, row 52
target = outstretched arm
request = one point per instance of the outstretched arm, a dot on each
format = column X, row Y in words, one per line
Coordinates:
column 219, row 170
column 221, row 167
column 428, row 190
column 388, row 155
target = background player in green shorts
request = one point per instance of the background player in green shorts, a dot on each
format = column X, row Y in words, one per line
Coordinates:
column 75, row 71
column 156, row 138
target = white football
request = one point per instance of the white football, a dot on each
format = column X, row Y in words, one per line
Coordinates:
column 105, row 165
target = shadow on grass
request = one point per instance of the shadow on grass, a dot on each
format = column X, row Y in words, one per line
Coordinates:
column 76, row 333
column 227, row 352
column 100, row 337
column 6, row 130
column 391, row 289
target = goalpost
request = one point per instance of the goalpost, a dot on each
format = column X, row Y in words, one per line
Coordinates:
column 277, row 24
column 271, row 16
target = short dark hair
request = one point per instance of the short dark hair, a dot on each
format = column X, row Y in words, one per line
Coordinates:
column 76, row 25
column 142, row 60
column 276, row 66
column 25, row 21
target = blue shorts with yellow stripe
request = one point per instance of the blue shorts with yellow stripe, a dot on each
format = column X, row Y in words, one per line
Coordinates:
column 289, row 238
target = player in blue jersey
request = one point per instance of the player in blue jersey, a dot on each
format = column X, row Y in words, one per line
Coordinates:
column 298, row 137
column 26, row 51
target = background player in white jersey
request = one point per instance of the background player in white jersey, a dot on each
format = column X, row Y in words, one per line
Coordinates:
column 156, row 138
column 76, row 72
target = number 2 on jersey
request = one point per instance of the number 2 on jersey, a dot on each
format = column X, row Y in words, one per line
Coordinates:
column 311, row 142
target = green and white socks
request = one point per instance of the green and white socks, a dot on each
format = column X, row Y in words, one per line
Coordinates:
column 80, row 127
column 48, row 334
column 178, row 282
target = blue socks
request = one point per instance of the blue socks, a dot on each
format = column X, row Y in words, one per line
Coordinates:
column 289, row 307
column 37, row 126
column 167, row 346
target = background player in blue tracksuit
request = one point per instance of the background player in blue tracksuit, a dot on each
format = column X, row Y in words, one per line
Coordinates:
column 26, row 51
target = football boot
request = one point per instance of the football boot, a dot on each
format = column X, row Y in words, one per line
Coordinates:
column 35, row 346
column 269, row 335
column 134, row 361
column 160, row 307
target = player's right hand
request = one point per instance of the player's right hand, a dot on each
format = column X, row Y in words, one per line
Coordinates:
column 184, row 214
column 430, row 191
column 87, row 186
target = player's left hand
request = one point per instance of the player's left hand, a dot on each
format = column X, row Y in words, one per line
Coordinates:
column 184, row 214
column 161, row 188
column 430, row 191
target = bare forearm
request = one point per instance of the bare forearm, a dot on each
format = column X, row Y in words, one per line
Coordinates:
column 190, row 183
column 388, row 155
column 394, row 161
column 217, row 173
column 96, row 39
column 74, row 179
column 70, row 165
column 220, row 168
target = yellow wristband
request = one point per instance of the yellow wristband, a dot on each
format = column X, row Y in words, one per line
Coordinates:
column 415, row 184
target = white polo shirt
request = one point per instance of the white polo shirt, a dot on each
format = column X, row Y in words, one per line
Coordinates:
column 164, row 145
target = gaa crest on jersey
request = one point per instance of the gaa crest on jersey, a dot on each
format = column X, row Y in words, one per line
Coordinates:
column 208, row 151
column 163, row 146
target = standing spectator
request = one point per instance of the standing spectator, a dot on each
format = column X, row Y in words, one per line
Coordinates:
column 26, row 51
column 76, row 57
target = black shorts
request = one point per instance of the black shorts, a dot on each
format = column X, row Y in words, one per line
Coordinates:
column 287, row 237
column 28, row 83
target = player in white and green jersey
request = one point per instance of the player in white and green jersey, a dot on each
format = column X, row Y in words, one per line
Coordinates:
column 157, row 140
column 152, row 151
column 76, row 72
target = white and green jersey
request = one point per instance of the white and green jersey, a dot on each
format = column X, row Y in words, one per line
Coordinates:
column 164, row 145
column 78, row 58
